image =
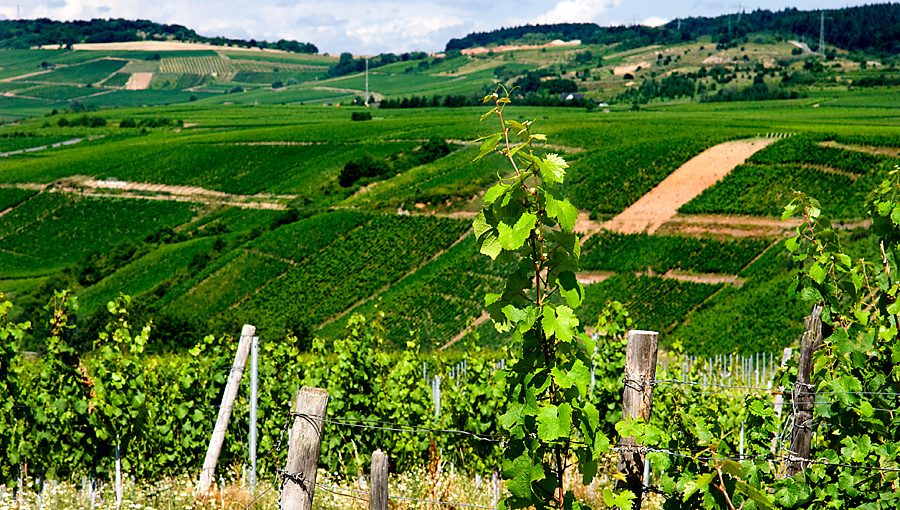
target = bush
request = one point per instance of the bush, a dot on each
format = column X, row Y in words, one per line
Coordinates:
column 127, row 123
column 367, row 166
column 361, row 116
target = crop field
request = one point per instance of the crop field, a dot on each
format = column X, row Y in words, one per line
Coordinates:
column 764, row 190
column 10, row 197
column 409, row 84
column 196, row 65
column 610, row 251
column 30, row 140
column 436, row 301
column 805, row 150
column 136, row 98
column 168, row 262
column 117, row 80
column 608, row 181
column 288, row 95
column 51, row 231
column 56, row 92
column 85, row 73
column 655, row 303
column 230, row 265
column 352, row 268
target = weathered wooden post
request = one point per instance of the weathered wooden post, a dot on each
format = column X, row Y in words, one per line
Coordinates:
column 637, row 400
column 779, row 397
column 254, row 394
column 378, row 483
column 804, row 395
column 304, row 449
column 228, row 397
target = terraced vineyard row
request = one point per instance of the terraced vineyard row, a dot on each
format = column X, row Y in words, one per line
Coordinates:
column 610, row 251
column 806, row 150
column 763, row 190
column 54, row 230
column 196, row 65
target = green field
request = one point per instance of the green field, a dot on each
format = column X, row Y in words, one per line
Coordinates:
column 306, row 252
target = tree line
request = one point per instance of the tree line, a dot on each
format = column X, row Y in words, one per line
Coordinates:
column 28, row 33
column 869, row 28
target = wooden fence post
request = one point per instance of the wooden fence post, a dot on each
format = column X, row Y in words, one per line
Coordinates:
column 228, row 397
column 637, row 399
column 779, row 398
column 378, row 481
column 804, row 395
column 304, row 449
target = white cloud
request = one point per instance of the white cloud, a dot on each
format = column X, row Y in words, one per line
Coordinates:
column 578, row 11
column 654, row 21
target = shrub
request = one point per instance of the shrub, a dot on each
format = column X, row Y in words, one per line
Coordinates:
column 361, row 116
column 367, row 166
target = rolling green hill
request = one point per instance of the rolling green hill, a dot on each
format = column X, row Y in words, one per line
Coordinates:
column 236, row 185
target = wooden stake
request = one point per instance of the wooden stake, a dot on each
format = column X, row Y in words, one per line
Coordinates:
column 637, row 400
column 228, row 398
column 304, row 449
column 378, row 483
column 779, row 398
column 804, row 394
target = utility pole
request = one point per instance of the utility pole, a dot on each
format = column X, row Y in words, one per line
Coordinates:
column 822, row 33
column 366, row 102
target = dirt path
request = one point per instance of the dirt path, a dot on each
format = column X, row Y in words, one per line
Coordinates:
column 702, row 171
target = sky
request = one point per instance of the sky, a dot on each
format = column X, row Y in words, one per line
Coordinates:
column 369, row 27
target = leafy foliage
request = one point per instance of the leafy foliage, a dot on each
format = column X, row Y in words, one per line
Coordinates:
column 548, row 419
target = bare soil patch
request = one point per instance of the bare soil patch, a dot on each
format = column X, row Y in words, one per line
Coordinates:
column 871, row 149
column 139, row 81
column 662, row 202
column 623, row 70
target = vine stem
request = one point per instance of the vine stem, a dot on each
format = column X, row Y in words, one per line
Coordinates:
column 506, row 137
column 722, row 486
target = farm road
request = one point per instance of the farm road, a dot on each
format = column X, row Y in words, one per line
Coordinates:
column 702, row 171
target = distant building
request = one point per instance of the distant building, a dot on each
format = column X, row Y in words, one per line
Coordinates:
column 570, row 96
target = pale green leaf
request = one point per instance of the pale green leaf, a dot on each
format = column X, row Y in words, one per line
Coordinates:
column 554, row 422
column 553, row 168
column 817, row 273
column 560, row 322
column 564, row 212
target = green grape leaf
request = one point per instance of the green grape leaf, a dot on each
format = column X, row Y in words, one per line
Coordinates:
column 494, row 192
column 760, row 498
column 488, row 145
column 561, row 209
column 522, row 472
column 512, row 237
column 554, row 422
column 553, row 168
column 560, row 322
column 570, row 288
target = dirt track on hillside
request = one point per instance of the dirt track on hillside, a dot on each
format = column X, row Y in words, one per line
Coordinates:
column 702, row 171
